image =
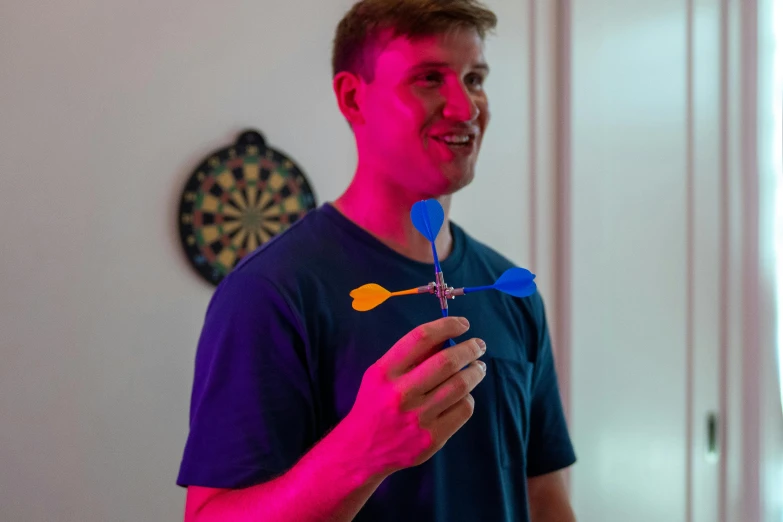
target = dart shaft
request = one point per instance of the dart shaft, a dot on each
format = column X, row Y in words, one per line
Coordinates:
column 475, row 289
column 435, row 257
column 419, row 290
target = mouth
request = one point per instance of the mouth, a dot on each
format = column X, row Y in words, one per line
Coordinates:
column 457, row 143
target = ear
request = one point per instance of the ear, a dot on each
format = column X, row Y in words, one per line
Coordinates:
column 348, row 90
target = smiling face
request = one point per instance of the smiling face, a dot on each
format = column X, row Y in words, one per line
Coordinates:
column 419, row 123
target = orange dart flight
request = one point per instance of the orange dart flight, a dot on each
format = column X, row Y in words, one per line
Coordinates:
column 368, row 296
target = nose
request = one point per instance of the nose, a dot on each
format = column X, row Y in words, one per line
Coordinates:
column 460, row 105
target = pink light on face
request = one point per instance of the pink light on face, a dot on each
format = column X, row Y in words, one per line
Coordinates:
column 425, row 112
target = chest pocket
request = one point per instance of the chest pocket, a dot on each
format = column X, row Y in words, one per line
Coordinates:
column 512, row 386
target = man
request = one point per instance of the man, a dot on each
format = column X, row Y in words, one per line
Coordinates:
column 306, row 410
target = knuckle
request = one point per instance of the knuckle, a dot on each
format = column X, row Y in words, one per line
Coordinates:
column 373, row 372
column 467, row 405
column 376, row 376
column 461, row 387
column 426, row 440
column 419, row 334
column 476, row 347
column 451, row 360
column 422, row 443
column 399, row 398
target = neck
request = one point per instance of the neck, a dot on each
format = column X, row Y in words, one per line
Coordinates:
column 384, row 211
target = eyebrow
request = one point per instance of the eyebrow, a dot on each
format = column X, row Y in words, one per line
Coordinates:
column 440, row 65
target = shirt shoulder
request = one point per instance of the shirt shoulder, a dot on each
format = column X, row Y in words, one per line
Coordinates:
column 291, row 248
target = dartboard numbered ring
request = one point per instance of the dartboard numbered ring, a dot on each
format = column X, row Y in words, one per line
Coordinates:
column 238, row 199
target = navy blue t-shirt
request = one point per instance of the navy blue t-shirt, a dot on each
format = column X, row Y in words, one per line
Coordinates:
column 282, row 354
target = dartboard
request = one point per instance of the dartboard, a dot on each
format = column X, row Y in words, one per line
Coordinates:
column 239, row 198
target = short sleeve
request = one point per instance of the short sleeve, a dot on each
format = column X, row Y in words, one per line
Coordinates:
column 549, row 444
column 252, row 411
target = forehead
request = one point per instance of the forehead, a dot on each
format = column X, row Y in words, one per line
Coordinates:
column 458, row 49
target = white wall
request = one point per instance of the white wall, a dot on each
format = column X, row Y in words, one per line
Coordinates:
column 105, row 107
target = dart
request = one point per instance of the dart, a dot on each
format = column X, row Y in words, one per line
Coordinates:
column 427, row 217
column 369, row 296
column 514, row 281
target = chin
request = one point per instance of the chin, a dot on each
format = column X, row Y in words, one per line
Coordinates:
column 445, row 181
column 456, row 181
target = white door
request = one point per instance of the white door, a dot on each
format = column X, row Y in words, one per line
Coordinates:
column 646, row 258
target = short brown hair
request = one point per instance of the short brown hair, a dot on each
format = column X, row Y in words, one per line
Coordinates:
column 362, row 29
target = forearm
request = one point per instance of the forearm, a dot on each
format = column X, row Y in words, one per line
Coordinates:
column 327, row 484
column 555, row 513
column 548, row 499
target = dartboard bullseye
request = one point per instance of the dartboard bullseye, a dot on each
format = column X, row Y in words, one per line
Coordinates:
column 238, row 199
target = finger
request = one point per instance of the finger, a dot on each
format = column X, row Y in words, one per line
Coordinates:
column 421, row 342
column 452, row 420
column 443, row 364
column 452, row 391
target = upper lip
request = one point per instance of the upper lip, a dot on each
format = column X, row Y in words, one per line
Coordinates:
column 472, row 133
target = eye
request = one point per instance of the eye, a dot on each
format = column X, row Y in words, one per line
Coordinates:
column 475, row 80
column 430, row 79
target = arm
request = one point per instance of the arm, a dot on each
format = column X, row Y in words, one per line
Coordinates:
column 327, row 484
column 548, row 499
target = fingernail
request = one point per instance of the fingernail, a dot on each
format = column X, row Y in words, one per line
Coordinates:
column 482, row 345
column 483, row 366
column 464, row 322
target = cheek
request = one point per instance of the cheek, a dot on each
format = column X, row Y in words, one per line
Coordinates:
column 484, row 112
column 411, row 110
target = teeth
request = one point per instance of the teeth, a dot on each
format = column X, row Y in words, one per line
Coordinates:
column 456, row 139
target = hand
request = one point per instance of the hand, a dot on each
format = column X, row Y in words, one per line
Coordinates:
column 415, row 397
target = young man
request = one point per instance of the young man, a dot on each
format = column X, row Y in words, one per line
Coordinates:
column 306, row 410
